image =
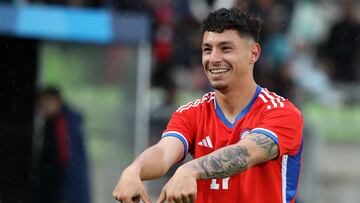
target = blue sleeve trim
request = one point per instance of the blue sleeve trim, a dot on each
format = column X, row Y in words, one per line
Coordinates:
column 293, row 173
column 180, row 137
column 268, row 133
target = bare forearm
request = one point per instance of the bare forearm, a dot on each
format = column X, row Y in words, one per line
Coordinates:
column 150, row 164
column 235, row 158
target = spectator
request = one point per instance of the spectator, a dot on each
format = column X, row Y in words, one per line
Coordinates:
column 343, row 44
column 63, row 175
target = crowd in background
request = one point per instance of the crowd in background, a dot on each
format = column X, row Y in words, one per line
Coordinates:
column 306, row 45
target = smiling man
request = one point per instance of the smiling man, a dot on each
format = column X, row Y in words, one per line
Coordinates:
column 246, row 141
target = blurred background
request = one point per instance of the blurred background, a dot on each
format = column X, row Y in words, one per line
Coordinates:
column 86, row 85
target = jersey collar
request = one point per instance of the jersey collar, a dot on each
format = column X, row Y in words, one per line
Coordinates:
column 221, row 115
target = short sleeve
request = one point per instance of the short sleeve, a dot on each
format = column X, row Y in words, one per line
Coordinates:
column 284, row 126
column 181, row 126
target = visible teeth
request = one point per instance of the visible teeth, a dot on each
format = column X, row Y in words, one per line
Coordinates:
column 218, row 70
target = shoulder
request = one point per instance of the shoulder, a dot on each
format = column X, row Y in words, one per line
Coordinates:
column 272, row 102
column 199, row 103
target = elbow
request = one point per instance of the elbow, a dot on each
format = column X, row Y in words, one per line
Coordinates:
column 256, row 159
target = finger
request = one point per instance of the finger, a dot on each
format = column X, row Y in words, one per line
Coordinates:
column 130, row 199
column 162, row 197
column 127, row 200
column 136, row 199
column 192, row 198
column 114, row 194
column 186, row 199
column 116, row 197
column 179, row 200
column 145, row 197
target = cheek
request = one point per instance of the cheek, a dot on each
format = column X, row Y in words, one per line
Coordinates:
column 205, row 61
column 232, row 60
column 240, row 58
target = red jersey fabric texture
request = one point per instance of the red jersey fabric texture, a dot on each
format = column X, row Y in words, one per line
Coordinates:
column 202, row 128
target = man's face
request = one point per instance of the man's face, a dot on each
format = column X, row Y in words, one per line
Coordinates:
column 49, row 106
column 227, row 58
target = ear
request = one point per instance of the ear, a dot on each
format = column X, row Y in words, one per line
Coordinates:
column 255, row 51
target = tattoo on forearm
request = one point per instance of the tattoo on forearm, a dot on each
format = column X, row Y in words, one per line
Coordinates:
column 225, row 163
column 265, row 143
column 232, row 159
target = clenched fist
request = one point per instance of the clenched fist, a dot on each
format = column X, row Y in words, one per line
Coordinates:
column 181, row 188
column 130, row 188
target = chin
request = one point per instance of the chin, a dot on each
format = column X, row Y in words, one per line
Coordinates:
column 219, row 86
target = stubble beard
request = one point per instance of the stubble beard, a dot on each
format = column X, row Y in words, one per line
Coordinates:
column 219, row 87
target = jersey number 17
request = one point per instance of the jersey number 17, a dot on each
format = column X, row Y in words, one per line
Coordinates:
column 216, row 186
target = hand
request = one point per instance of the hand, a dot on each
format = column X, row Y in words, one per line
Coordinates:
column 130, row 189
column 181, row 188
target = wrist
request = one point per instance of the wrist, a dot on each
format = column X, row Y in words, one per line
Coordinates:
column 133, row 169
column 190, row 170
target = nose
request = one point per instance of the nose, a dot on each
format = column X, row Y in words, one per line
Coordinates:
column 215, row 57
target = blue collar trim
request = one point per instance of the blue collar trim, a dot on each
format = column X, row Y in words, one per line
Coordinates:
column 241, row 114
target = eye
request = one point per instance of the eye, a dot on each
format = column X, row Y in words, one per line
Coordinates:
column 206, row 50
column 226, row 49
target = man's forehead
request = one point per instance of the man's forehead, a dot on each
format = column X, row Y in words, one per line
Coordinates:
column 218, row 38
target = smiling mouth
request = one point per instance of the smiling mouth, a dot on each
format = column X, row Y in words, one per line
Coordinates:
column 219, row 70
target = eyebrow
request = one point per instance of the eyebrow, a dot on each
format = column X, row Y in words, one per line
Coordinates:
column 219, row 44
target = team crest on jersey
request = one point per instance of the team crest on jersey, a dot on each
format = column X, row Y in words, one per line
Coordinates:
column 244, row 133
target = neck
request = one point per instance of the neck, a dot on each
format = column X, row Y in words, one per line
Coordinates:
column 233, row 101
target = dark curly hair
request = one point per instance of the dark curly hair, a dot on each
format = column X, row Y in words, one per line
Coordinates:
column 232, row 19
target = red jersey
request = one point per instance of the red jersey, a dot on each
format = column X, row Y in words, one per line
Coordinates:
column 203, row 128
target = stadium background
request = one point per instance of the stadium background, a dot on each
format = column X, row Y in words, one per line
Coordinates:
column 126, row 65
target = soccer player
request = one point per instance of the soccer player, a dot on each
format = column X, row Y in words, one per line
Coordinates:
column 246, row 141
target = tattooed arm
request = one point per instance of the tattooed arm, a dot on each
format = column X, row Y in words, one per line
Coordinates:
column 224, row 162
column 227, row 161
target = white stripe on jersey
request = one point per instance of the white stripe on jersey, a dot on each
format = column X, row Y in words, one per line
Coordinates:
column 263, row 98
column 281, row 103
column 276, row 100
column 283, row 176
column 209, row 141
column 209, row 96
column 204, row 143
column 183, row 106
column 273, row 93
column 270, row 97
